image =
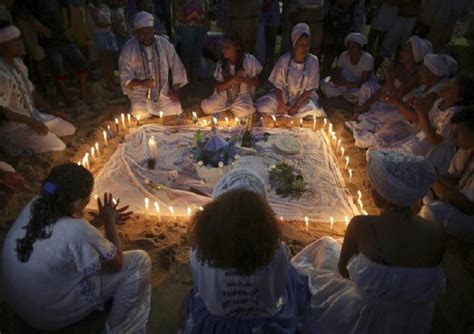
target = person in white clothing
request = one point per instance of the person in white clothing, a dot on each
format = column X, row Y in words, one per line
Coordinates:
column 295, row 78
column 144, row 65
column 453, row 202
column 387, row 275
column 26, row 129
column 58, row 267
column 354, row 68
column 236, row 77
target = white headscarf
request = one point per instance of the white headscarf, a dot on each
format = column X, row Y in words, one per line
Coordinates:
column 420, row 47
column 240, row 178
column 400, row 179
column 298, row 30
column 8, row 33
column 143, row 20
column 441, row 65
column 356, row 37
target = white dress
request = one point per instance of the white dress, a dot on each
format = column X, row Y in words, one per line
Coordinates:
column 455, row 221
column 293, row 79
column 137, row 62
column 349, row 72
column 376, row 299
column 239, row 99
column 16, row 95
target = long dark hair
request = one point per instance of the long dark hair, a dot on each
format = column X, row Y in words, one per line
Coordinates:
column 238, row 231
column 64, row 185
column 233, row 38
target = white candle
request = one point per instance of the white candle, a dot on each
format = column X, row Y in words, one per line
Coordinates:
column 365, row 212
column 122, row 116
column 93, row 153
column 281, row 219
column 161, row 117
column 301, row 122
column 350, row 175
column 332, row 223
column 274, row 121
column 117, row 124
column 314, row 122
column 157, row 209
column 195, row 117
column 106, row 142
column 129, row 120
column 346, row 220
column 201, row 208
column 96, row 197
column 85, row 161
column 361, row 205
column 342, row 151
column 189, row 211
column 306, row 223
column 347, row 161
column 172, row 212
column 221, row 164
column 114, row 201
column 237, row 121
column 330, row 127
column 79, row 163
column 109, row 129
column 147, row 205
column 359, row 194
column 152, row 148
column 227, row 121
column 138, row 120
column 291, row 123
column 97, row 148
column 339, row 141
column 325, row 122
column 214, row 121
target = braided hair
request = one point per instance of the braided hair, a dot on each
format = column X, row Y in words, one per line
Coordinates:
column 233, row 37
column 64, row 185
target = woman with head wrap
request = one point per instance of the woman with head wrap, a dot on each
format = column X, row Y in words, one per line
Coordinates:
column 295, row 78
column 58, row 267
column 387, row 275
column 452, row 203
column 354, row 68
column 236, row 77
column 243, row 281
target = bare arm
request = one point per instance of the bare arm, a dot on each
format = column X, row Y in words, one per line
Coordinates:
column 302, row 99
column 454, row 196
column 349, row 248
column 37, row 126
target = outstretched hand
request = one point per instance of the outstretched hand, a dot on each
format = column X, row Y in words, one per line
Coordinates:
column 109, row 213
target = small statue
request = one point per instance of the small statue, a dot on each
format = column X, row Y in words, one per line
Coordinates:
column 247, row 136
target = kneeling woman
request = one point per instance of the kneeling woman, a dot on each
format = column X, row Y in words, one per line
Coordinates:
column 387, row 275
column 58, row 268
column 243, row 280
column 295, row 78
column 236, row 78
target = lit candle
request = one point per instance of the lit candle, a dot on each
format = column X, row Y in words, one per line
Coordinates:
column 346, row 220
column 161, row 117
column 214, row 121
column 138, row 120
column 347, row 161
column 314, row 122
column 237, row 121
column 157, row 209
column 106, row 142
column 122, row 116
column 350, row 175
column 114, row 201
column 172, row 212
column 291, row 123
column 97, row 148
column 79, row 163
column 325, row 122
column 201, row 208
column 117, row 124
column 227, row 121
column 96, row 197
column 147, row 205
column 339, row 141
column 152, row 148
column 359, row 194
column 85, row 161
column 129, row 120
column 195, row 117
column 365, row 212
column 189, row 211
column 306, row 223
column 109, row 129
column 301, row 122
column 274, row 121
column 332, row 223
column 361, row 205
column 204, row 122
column 342, row 151
column 330, row 128
column 281, row 219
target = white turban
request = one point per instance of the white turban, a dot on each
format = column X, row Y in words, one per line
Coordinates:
column 240, row 178
column 356, row 37
column 441, row 65
column 420, row 47
column 143, row 20
column 400, row 179
column 8, row 33
column 298, row 31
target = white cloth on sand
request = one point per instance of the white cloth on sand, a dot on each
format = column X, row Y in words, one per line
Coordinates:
column 137, row 62
column 376, row 299
column 68, row 284
column 293, row 79
column 456, row 222
column 239, row 99
column 349, row 72
column 16, row 95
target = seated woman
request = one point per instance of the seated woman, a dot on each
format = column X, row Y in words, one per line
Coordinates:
column 295, row 78
column 380, row 128
column 236, row 78
column 399, row 80
column 373, row 284
column 354, row 68
column 58, row 268
column 433, row 140
column 25, row 129
column 243, row 281
column 453, row 202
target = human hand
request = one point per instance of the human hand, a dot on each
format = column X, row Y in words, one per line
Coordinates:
column 122, row 215
column 11, row 180
column 148, row 83
column 39, row 127
column 62, row 115
column 107, row 212
column 43, row 32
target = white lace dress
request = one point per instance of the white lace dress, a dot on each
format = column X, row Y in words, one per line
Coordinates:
column 377, row 298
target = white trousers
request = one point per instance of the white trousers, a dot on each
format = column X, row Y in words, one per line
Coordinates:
column 331, row 90
column 268, row 104
column 143, row 108
column 218, row 102
column 18, row 138
column 131, row 292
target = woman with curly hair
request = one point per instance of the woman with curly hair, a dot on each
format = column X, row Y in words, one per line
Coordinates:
column 58, row 267
column 243, row 280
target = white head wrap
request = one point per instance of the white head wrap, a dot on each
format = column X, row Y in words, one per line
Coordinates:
column 441, row 65
column 298, row 30
column 420, row 47
column 356, row 37
column 8, row 33
column 240, row 178
column 143, row 20
column 400, row 179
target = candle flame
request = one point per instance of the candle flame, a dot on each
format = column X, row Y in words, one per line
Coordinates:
column 157, row 207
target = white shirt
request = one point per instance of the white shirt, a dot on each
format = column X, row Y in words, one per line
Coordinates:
column 353, row 73
column 459, row 168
